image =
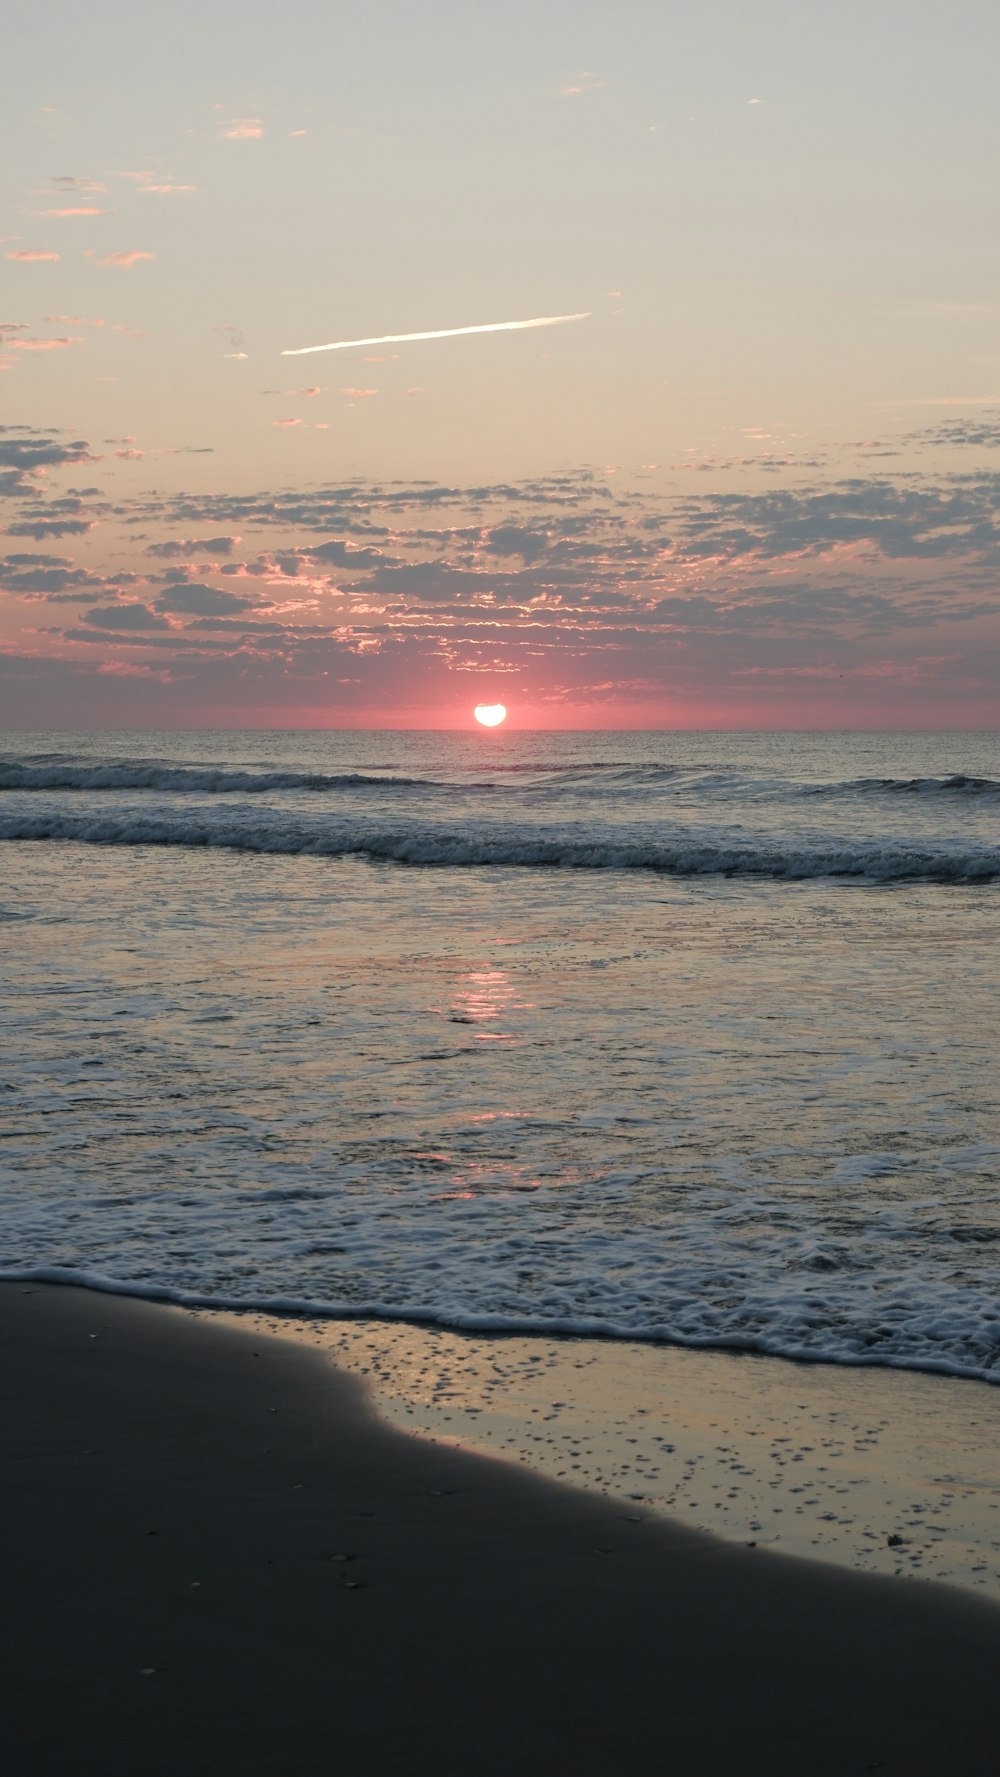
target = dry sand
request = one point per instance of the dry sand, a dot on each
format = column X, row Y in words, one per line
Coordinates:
column 219, row 1561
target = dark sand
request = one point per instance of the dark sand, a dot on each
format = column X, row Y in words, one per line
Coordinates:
column 217, row 1561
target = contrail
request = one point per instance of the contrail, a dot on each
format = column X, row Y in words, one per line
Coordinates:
column 392, row 339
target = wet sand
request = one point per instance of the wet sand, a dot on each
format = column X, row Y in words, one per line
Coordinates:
column 880, row 1471
column 219, row 1560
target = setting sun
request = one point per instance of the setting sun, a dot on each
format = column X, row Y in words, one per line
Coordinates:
column 490, row 714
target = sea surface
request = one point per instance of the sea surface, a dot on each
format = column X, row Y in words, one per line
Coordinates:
column 661, row 1036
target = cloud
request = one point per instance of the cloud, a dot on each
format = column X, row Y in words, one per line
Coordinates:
column 575, row 582
column 286, row 423
column 191, row 598
column 25, row 453
column 341, row 554
column 982, row 432
column 613, row 593
column 194, row 546
column 40, row 345
column 72, row 321
column 511, row 539
column 74, row 210
column 40, row 528
column 54, row 578
column 242, row 129
column 898, row 520
column 31, row 255
column 67, row 182
column 383, row 339
column 124, row 617
column 126, row 260
column 167, row 189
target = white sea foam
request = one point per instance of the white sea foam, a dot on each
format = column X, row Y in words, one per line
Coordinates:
column 940, row 1343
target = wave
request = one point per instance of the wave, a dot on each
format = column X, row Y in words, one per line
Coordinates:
column 871, row 861
column 971, row 1363
column 152, row 774
column 192, row 780
column 599, row 776
column 957, row 785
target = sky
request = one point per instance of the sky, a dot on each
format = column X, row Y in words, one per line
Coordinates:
column 750, row 482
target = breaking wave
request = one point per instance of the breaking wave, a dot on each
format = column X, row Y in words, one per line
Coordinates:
column 604, row 775
column 871, row 861
column 191, row 780
column 957, row 785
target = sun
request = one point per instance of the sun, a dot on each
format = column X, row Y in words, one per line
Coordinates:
column 490, row 714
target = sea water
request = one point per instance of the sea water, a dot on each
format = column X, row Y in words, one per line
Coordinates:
column 661, row 1036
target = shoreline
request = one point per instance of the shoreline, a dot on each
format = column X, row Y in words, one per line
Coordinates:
column 224, row 1562
column 823, row 1461
column 874, row 1468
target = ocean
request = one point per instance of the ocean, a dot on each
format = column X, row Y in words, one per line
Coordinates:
column 658, row 1036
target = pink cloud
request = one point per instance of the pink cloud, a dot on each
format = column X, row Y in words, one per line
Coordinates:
column 287, row 422
column 72, row 321
column 359, row 394
column 164, row 190
column 243, row 129
column 125, row 261
column 41, row 345
column 125, row 669
column 75, row 210
column 30, row 254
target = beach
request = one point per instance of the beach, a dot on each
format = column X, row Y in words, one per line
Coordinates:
column 222, row 1561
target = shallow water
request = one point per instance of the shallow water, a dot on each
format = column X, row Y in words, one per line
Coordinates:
column 673, row 1037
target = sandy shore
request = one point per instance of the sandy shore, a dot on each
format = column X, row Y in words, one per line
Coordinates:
column 880, row 1471
column 219, row 1561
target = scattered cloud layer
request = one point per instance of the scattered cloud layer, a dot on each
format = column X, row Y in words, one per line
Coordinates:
column 567, row 586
